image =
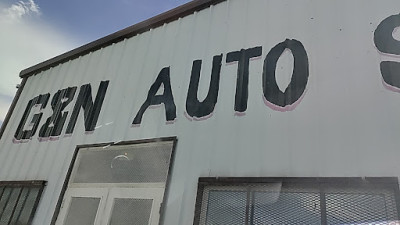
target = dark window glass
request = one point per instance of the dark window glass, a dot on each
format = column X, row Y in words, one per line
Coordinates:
column 18, row 201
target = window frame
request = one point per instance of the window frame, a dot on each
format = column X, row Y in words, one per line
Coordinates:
column 320, row 183
column 40, row 184
column 119, row 143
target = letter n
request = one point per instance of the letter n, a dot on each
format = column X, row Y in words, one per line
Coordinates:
column 91, row 110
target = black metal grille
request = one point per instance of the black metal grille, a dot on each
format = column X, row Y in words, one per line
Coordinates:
column 290, row 208
column 18, row 201
column 226, row 207
column 355, row 208
column 296, row 202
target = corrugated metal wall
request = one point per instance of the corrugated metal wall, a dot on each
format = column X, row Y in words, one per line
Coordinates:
column 346, row 125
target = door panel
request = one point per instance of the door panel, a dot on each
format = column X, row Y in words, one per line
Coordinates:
column 130, row 211
column 82, row 211
column 137, row 206
column 117, row 185
column 82, row 206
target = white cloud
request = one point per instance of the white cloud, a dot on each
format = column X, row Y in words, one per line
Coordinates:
column 25, row 40
column 21, row 9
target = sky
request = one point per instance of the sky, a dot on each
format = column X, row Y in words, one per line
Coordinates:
column 33, row 31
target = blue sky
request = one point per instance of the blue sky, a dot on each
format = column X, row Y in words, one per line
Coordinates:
column 36, row 30
column 92, row 19
column 88, row 20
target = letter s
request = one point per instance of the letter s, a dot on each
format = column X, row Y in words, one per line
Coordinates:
column 385, row 43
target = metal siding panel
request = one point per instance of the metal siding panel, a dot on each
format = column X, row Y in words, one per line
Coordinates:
column 110, row 71
column 199, row 39
column 151, row 68
column 346, row 112
column 133, row 70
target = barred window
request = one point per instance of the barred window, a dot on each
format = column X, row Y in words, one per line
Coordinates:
column 19, row 200
column 259, row 201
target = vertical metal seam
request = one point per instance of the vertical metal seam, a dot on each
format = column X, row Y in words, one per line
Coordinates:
column 322, row 203
column 252, row 208
column 247, row 205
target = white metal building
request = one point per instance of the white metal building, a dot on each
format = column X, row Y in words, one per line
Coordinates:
column 216, row 112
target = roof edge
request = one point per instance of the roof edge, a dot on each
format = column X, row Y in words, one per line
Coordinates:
column 153, row 22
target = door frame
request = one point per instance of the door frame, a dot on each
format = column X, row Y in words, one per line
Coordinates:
column 75, row 154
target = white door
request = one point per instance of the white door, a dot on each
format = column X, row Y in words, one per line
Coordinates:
column 117, row 185
column 111, row 206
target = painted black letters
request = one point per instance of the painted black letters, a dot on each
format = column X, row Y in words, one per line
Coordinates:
column 91, row 110
column 242, row 90
column 153, row 99
column 54, row 124
column 41, row 101
column 299, row 79
column 385, row 43
column 194, row 107
column 383, row 35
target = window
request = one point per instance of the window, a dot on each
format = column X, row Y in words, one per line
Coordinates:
column 19, row 200
column 253, row 201
column 117, row 184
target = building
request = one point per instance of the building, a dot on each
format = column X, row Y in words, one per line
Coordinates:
column 216, row 112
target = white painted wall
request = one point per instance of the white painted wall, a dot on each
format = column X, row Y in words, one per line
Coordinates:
column 347, row 124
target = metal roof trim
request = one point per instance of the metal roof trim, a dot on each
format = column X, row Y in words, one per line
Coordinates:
column 156, row 21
